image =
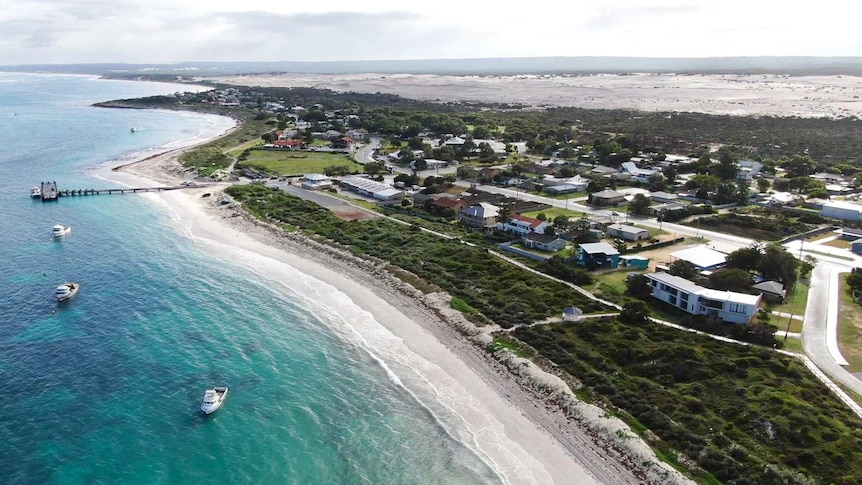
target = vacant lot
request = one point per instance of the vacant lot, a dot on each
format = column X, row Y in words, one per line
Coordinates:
column 297, row 163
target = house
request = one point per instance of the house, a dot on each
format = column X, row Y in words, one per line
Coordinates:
column 856, row 246
column 479, row 216
column 629, row 233
column 356, row 134
column 598, row 255
column 544, row 242
column 372, row 189
column 521, row 225
column 771, row 289
column 636, row 173
column 630, row 261
column 292, row 144
column 663, row 197
column 344, row 142
column 839, row 209
column 447, row 206
column 783, row 198
column 666, row 209
column 454, row 142
column 694, row 299
column 316, row 181
column 702, row 257
column 604, row 171
column 607, row 198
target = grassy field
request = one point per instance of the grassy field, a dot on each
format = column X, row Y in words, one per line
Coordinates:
column 838, row 243
column 611, row 285
column 235, row 152
column 687, row 390
column 796, row 301
column 850, row 329
column 553, row 212
column 792, row 344
column 295, row 163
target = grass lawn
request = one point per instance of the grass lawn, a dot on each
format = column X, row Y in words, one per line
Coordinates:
column 837, row 256
column 295, row 163
column 573, row 195
column 850, row 328
column 612, row 283
column 796, row 301
column 553, row 212
column 792, row 344
column 235, row 152
column 838, row 243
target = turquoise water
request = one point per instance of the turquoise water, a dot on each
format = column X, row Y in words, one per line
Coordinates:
column 105, row 388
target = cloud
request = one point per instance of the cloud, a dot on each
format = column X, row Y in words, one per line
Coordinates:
column 616, row 17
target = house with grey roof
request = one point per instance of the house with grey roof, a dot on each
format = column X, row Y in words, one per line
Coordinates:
column 694, row 299
column 629, row 233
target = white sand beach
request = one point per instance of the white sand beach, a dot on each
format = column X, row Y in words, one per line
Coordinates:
column 731, row 94
column 523, row 420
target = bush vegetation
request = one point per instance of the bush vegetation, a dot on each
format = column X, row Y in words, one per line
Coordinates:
column 503, row 293
column 731, row 409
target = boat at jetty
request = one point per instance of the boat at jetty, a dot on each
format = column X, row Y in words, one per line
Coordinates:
column 213, row 399
column 35, row 192
column 66, row 291
column 60, row 230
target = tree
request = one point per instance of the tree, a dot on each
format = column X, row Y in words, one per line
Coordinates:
column 747, row 259
column 670, row 173
column 639, row 205
column 727, row 167
column 596, row 186
column 638, row 286
column 730, row 280
column 762, row 184
column 373, row 168
column 634, row 313
column 683, row 269
column 779, row 265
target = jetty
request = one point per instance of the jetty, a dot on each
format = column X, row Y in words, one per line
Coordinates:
column 50, row 191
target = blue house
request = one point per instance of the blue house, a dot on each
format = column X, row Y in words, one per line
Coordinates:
column 856, row 246
column 598, row 255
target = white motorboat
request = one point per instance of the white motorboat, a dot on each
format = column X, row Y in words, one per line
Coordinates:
column 66, row 291
column 213, row 399
column 61, row 230
column 35, row 192
column 133, row 129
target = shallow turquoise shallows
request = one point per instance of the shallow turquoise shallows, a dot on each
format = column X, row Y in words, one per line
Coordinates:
column 106, row 387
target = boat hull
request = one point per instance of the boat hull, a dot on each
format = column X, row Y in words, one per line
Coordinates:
column 73, row 290
column 212, row 405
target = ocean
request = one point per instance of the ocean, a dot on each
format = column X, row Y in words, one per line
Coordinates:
column 106, row 388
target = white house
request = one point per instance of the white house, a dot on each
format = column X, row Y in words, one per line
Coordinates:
column 521, row 225
column 838, row 209
column 702, row 257
column 637, row 174
column 629, row 233
column 697, row 300
column 316, row 181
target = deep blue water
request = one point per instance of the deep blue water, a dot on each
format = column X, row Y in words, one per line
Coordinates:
column 105, row 388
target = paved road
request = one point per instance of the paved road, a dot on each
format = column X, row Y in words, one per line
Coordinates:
column 365, row 153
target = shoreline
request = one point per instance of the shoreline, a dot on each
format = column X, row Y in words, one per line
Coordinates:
column 563, row 439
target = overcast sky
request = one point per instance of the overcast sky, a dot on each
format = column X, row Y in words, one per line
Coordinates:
column 86, row 31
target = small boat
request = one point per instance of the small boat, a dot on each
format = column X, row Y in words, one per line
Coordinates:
column 213, row 399
column 66, row 291
column 35, row 192
column 133, row 129
column 60, row 230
